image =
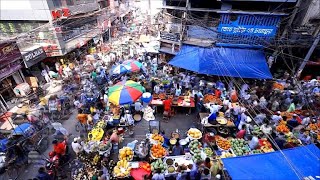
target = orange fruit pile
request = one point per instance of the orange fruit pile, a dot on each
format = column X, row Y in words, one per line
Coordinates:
column 157, row 138
column 146, row 166
column 158, row 151
column 282, row 128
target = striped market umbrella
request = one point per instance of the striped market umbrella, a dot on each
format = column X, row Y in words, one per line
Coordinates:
column 120, row 69
column 134, row 65
column 125, row 92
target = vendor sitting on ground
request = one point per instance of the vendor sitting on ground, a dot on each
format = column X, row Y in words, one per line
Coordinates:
column 177, row 150
column 242, row 132
column 114, row 138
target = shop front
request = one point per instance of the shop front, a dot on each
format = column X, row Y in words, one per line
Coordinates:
column 10, row 72
column 32, row 60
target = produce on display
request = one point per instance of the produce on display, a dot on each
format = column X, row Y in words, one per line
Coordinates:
column 209, row 98
column 126, row 153
column 158, row 151
column 197, row 155
column 208, row 151
column 194, row 133
column 223, row 143
column 146, row 166
column 256, row 131
column 265, row 145
column 122, row 169
column 239, row 147
column 314, row 126
column 226, row 154
column 104, row 146
column 256, row 151
column 171, row 169
column 195, row 146
column 158, row 138
column 282, row 128
column 158, row 164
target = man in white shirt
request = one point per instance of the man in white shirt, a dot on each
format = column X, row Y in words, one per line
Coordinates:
column 306, row 120
column 156, row 89
column 276, row 118
column 76, row 146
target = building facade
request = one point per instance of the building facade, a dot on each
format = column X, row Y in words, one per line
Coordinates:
column 245, row 24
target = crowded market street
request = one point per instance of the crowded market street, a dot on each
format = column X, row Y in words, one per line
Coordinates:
column 124, row 106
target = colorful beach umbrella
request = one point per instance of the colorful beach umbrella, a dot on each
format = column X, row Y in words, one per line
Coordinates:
column 134, row 65
column 120, row 69
column 125, row 92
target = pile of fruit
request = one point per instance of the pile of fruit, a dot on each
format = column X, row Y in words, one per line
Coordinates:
column 314, row 126
column 194, row 146
column 197, row 155
column 265, row 145
column 282, row 128
column 146, row 166
column 256, row 151
column 226, row 154
column 126, row 153
column 208, row 151
column 209, row 98
column 256, row 131
column 239, row 147
column 158, row 138
column 157, row 151
column 194, row 133
column 122, row 169
column 158, row 164
column 223, row 143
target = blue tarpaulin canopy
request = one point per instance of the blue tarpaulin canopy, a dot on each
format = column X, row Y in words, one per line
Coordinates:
column 220, row 61
column 295, row 163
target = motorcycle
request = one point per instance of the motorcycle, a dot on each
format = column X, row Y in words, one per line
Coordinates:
column 55, row 162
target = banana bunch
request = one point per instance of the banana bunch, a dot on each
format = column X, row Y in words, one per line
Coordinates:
column 122, row 169
column 226, row 155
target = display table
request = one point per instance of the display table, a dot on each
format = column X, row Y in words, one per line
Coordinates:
column 180, row 103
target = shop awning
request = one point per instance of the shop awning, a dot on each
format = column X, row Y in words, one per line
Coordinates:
column 294, row 164
column 219, row 61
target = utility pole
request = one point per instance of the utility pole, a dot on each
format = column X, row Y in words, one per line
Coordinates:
column 183, row 22
column 285, row 31
column 307, row 57
column 150, row 13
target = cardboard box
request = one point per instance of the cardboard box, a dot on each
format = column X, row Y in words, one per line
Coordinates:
column 32, row 81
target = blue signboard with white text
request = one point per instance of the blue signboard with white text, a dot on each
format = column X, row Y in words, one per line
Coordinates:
column 247, row 29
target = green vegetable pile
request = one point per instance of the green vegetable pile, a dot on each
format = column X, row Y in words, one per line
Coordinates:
column 239, row 147
column 158, row 164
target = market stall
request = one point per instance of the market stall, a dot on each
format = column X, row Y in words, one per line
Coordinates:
column 177, row 102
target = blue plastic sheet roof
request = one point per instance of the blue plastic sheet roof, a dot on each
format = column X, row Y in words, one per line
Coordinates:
column 220, row 61
column 293, row 164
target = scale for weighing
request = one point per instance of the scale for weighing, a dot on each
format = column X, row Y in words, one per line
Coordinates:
column 154, row 126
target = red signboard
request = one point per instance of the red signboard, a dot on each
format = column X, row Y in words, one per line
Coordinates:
column 60, row 13
column 9, row 52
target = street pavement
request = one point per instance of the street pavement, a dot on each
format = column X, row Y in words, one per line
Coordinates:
column 179, row 121
column 38, row 160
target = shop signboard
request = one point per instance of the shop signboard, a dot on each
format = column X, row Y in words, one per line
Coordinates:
column 247, row 30
column 34, row 57
column 60, row 13
column 9, row 69
column 9, row 52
